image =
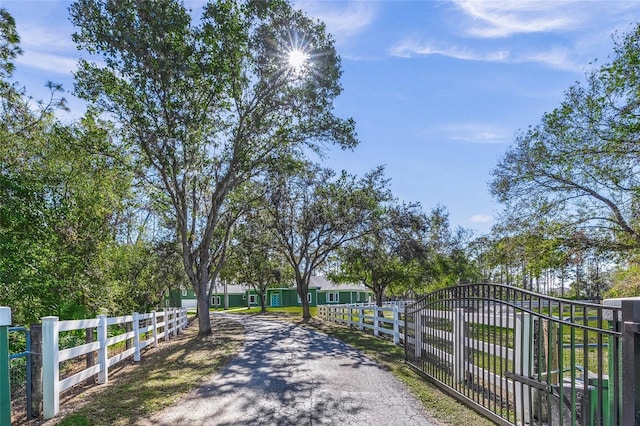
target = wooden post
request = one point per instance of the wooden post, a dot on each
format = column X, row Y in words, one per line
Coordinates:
column 550, row 344
column 91, row 359
column 36, row 369
column 127, row 329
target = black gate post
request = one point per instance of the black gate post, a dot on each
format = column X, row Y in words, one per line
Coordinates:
column 36, row 370
column 630, row 362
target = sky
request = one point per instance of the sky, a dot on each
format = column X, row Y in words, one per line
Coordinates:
column 438, row 88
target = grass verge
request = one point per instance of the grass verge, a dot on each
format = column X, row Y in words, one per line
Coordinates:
column 164, row 376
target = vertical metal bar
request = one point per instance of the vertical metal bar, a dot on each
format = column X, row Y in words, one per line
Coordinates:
column 29, row 378
column 5, row 387
column 572, row 355
column 600, row 414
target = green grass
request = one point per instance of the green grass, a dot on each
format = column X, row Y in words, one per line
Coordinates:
column 163, row 376
column 291, row 311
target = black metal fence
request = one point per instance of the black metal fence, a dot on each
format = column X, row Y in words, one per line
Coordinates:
column 519, row 357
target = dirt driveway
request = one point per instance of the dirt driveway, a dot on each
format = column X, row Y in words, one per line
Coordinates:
column 290, row 375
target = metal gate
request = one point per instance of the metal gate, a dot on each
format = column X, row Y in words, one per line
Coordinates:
column 20, row 373
column 519, row 357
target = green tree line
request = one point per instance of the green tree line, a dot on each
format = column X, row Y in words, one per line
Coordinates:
column 193, row 164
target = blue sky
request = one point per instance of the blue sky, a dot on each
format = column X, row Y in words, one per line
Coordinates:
column 437, row 88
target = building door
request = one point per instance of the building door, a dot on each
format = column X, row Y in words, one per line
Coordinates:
column 275, row 299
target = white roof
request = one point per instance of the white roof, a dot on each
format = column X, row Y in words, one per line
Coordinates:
column 318, row 282
column 325, row 284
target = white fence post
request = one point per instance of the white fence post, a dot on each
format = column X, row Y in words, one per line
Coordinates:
column 136, row 337
column 103, row 355
column 396, row 324
column 50, row 367
column 458, row 345
column 417, row 325
column 175, row 322
column 522, row 354
column 375, row 321
column 154, row 324
column 361, row 318
column 167, row 324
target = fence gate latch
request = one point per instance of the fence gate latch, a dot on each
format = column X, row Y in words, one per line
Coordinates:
column 529, row 381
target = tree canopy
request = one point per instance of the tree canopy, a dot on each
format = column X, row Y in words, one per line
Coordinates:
column 204, row 107
column 577, row 170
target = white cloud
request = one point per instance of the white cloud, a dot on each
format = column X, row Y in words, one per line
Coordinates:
column 495, row 19
column 559, row 57
column 492, row 19
column 476, row 133
column 342, row 21
column 481, row 218
column 56, row 64
column 44, row 39
column 409, row 48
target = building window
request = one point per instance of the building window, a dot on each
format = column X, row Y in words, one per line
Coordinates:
column 308, row 298
column 253, row 299
column 215, row 301
column 184, row 292
column 333, row 297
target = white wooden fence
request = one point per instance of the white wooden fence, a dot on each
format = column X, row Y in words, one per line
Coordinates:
column 382, row 320
column 145, row 329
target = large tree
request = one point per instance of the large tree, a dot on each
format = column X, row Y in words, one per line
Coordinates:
column 206, row 107
column 314, row 212
column 579, row 166
column 389, row 254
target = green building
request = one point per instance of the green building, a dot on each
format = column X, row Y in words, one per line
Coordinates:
column 322, row 291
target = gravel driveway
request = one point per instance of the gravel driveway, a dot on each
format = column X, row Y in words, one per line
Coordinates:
column 290, row 375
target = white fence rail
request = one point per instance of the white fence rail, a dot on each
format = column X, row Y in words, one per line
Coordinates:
column 142, row 330
column 382, row 320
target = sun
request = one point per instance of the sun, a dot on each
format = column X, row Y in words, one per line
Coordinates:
column 297, row 59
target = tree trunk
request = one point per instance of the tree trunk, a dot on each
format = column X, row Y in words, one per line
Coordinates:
column 263, row 301
column 379, row 293
column 306, row 313
column 204, row 322
column 303, row 291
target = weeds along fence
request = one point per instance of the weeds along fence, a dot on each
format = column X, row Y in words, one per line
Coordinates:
column 92, row 346
column 385, row 320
